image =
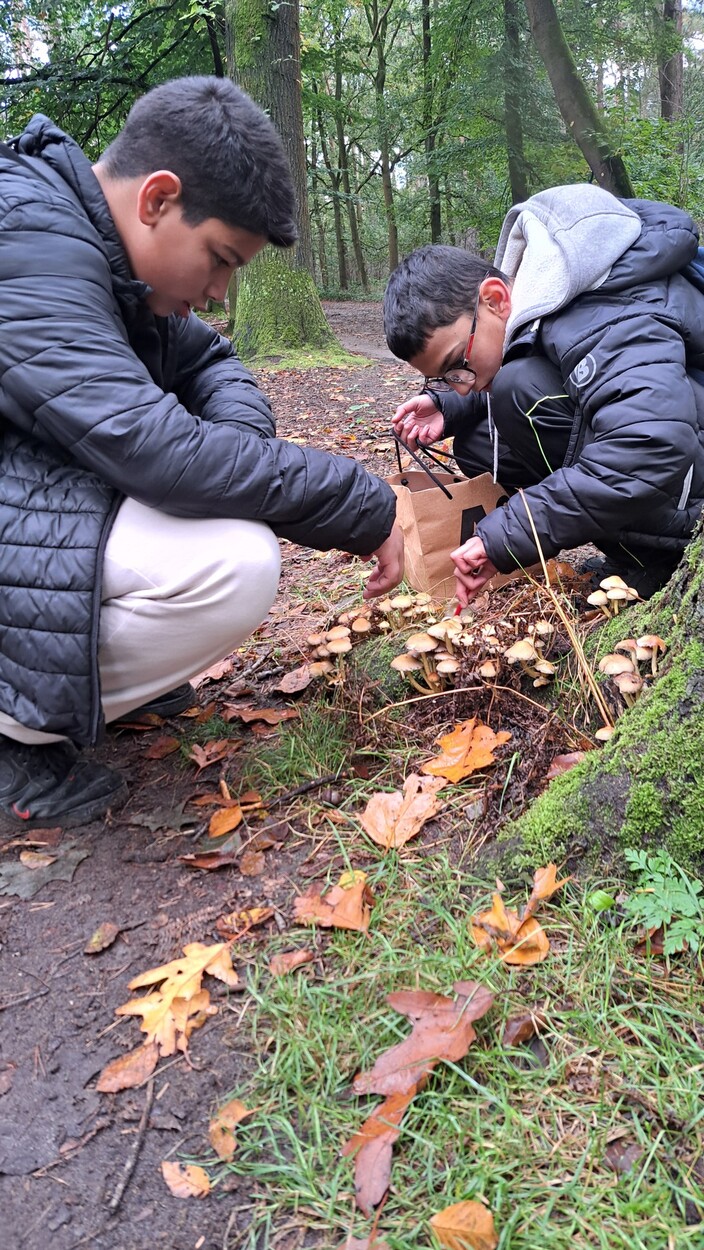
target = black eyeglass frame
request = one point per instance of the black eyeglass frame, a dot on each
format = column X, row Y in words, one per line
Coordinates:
column 448, row 381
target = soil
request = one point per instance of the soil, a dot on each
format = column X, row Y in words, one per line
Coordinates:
column 82, row 1168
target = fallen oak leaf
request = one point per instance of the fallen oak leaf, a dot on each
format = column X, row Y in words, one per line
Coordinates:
column 295, row 681
column 521, row 1028
column 340, row 908
column 185, row 1180
column 252, row 863
column 161, row 747
column 469, row 747
column 373, row 1145
column 519, row 942
column 465, row 1226
column 36, row 859
column 270, row 715
column 221, row 1131
column 442, row 1030
column 545, row 885
column 172, row 1012
column 129, row 1070
column 391, row 820
column 213, row 752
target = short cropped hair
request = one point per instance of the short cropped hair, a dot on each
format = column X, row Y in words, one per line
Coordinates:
column 226, row 152
column 432, row 287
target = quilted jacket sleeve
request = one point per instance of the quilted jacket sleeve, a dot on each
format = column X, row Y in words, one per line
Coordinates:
column 639, row 413
column 68, row 375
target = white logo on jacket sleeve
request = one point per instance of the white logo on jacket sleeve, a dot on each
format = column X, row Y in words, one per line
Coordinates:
column 584, row 371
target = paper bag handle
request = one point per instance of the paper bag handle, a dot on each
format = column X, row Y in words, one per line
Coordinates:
column 400, row 443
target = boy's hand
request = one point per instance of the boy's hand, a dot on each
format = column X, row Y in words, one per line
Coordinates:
column 419, row 420
column 389, row 565
column 473, row 569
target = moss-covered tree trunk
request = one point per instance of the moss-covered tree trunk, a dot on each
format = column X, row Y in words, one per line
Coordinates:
column 277, row 307
column 646, row 785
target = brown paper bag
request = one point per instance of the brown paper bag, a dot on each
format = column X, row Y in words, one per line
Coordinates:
column 434, row 525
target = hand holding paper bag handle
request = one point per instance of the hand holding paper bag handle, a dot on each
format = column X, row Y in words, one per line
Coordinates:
column 473, row 569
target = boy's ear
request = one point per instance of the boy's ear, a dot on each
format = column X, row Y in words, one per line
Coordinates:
column 496, row 295
column 158, row 193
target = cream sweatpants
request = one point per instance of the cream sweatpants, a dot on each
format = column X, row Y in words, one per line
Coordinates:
column 178, row 595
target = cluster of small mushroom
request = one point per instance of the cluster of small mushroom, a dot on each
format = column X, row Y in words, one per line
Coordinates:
column 528, row 653
column 431, row 653
column 612, row 593
column 622, row 665
column 431, row 657
column 330, row 647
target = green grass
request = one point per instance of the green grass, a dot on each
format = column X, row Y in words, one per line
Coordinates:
column 528, row 1138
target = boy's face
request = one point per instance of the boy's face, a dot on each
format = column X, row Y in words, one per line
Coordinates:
column 445, row 350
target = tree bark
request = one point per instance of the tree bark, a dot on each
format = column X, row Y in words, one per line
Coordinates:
column 378, row 26
column 335, row 179
column 430, row 130
column 646, row 785
column 670, row 61
column 513, row 104
column 574, row 101
column 277, row 305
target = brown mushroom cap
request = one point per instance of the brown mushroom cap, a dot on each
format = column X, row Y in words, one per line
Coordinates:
column 448, row 666
column 629, row 683
column 617, row 593
column 613, row 583
column 523, row 651
column 322, row 652
column 613, row 664
column 627, row 645
column 543, row 628
column 315, row 640
column 604, row 733
column 320, row 667
column 361, row 625
column 487, row 669
column 337, row 632
column 421, row 643
column 541, row 681
column 405, row 664
column 438, row 630
column 401, row 601
column 652, row 641
column 339, row 646
column 545, row 667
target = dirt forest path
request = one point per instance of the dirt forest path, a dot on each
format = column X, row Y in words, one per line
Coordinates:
column 81, row 1168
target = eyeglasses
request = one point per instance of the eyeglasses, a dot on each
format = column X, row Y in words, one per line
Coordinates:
column 463, row 375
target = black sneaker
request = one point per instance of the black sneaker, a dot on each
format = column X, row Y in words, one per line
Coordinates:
column 169, row 704
column 42, row 786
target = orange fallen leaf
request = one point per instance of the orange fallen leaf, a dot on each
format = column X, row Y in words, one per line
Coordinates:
column 341, row 908
column 103, row 937
column 162, row 747
column 563, row 763
column 129, row 1070
column 185, row 1180
column 221, row 1131
column 288, row 961
column 544, row 886
column 36, row 859
column 236, row 923
column 465, row 1226
column 442, row 1030
column 520, row 942
column 270, row 715
column 373, row 1145
column 213, row 752
column 391, row 820
column 469, row 747
column 225, row 820
column 171, row 1012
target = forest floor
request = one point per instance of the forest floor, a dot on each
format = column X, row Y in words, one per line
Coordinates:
column 583, row 1134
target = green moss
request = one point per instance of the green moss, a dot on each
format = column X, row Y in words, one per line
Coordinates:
column 557, row 820
column 645, row 813
column 278, row 310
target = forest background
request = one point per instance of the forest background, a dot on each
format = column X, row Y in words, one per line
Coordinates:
column 422, row 120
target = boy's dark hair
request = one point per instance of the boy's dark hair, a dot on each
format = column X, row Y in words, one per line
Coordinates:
column 221, row 145
column 432, row 287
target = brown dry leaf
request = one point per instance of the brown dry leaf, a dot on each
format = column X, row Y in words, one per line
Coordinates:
column 221, row 1131
column 519, row 942
column 442, row 1030
column 103, row 937
column 216, row 672
column 298, row 679
column 161, row 747
column 465, row 1226
column 373, row 1145
column 129, row 1070
column 236, row 923
column 563, row 763
column 621, row 1155
column 170, row 1013
column 270, row 715
column 36, row 859
column 469, row 747
column 213, row 752
column 209, row 860
column 252, row 863
column 521, row 1028
column 363, row 1243
column 391, row 820
column 342, row 907
column 225, row 820
column 288, row 961
column 544, row 886
column 185, row 1180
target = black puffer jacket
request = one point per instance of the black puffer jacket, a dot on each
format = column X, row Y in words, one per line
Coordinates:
column 629, row 355
column 100, row 399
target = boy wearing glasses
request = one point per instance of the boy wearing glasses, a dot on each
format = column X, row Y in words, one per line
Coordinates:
column 141, row 483
column 572, row 370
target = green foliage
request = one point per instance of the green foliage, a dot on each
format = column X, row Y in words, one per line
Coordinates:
column 667, row 897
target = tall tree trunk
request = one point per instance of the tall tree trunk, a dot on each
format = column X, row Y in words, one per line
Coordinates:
column 573, row 100
column 277, row 304
column 513, row 104
column 430, row 130
column 670, row 61
column 646, row 785
column 335, row 178
column 378, row 26
column 344, row 168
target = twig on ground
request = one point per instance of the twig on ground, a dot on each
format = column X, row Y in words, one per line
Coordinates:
column 23, row 998
column 70, row 1154
column 307, row 785
column 134, row 1153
